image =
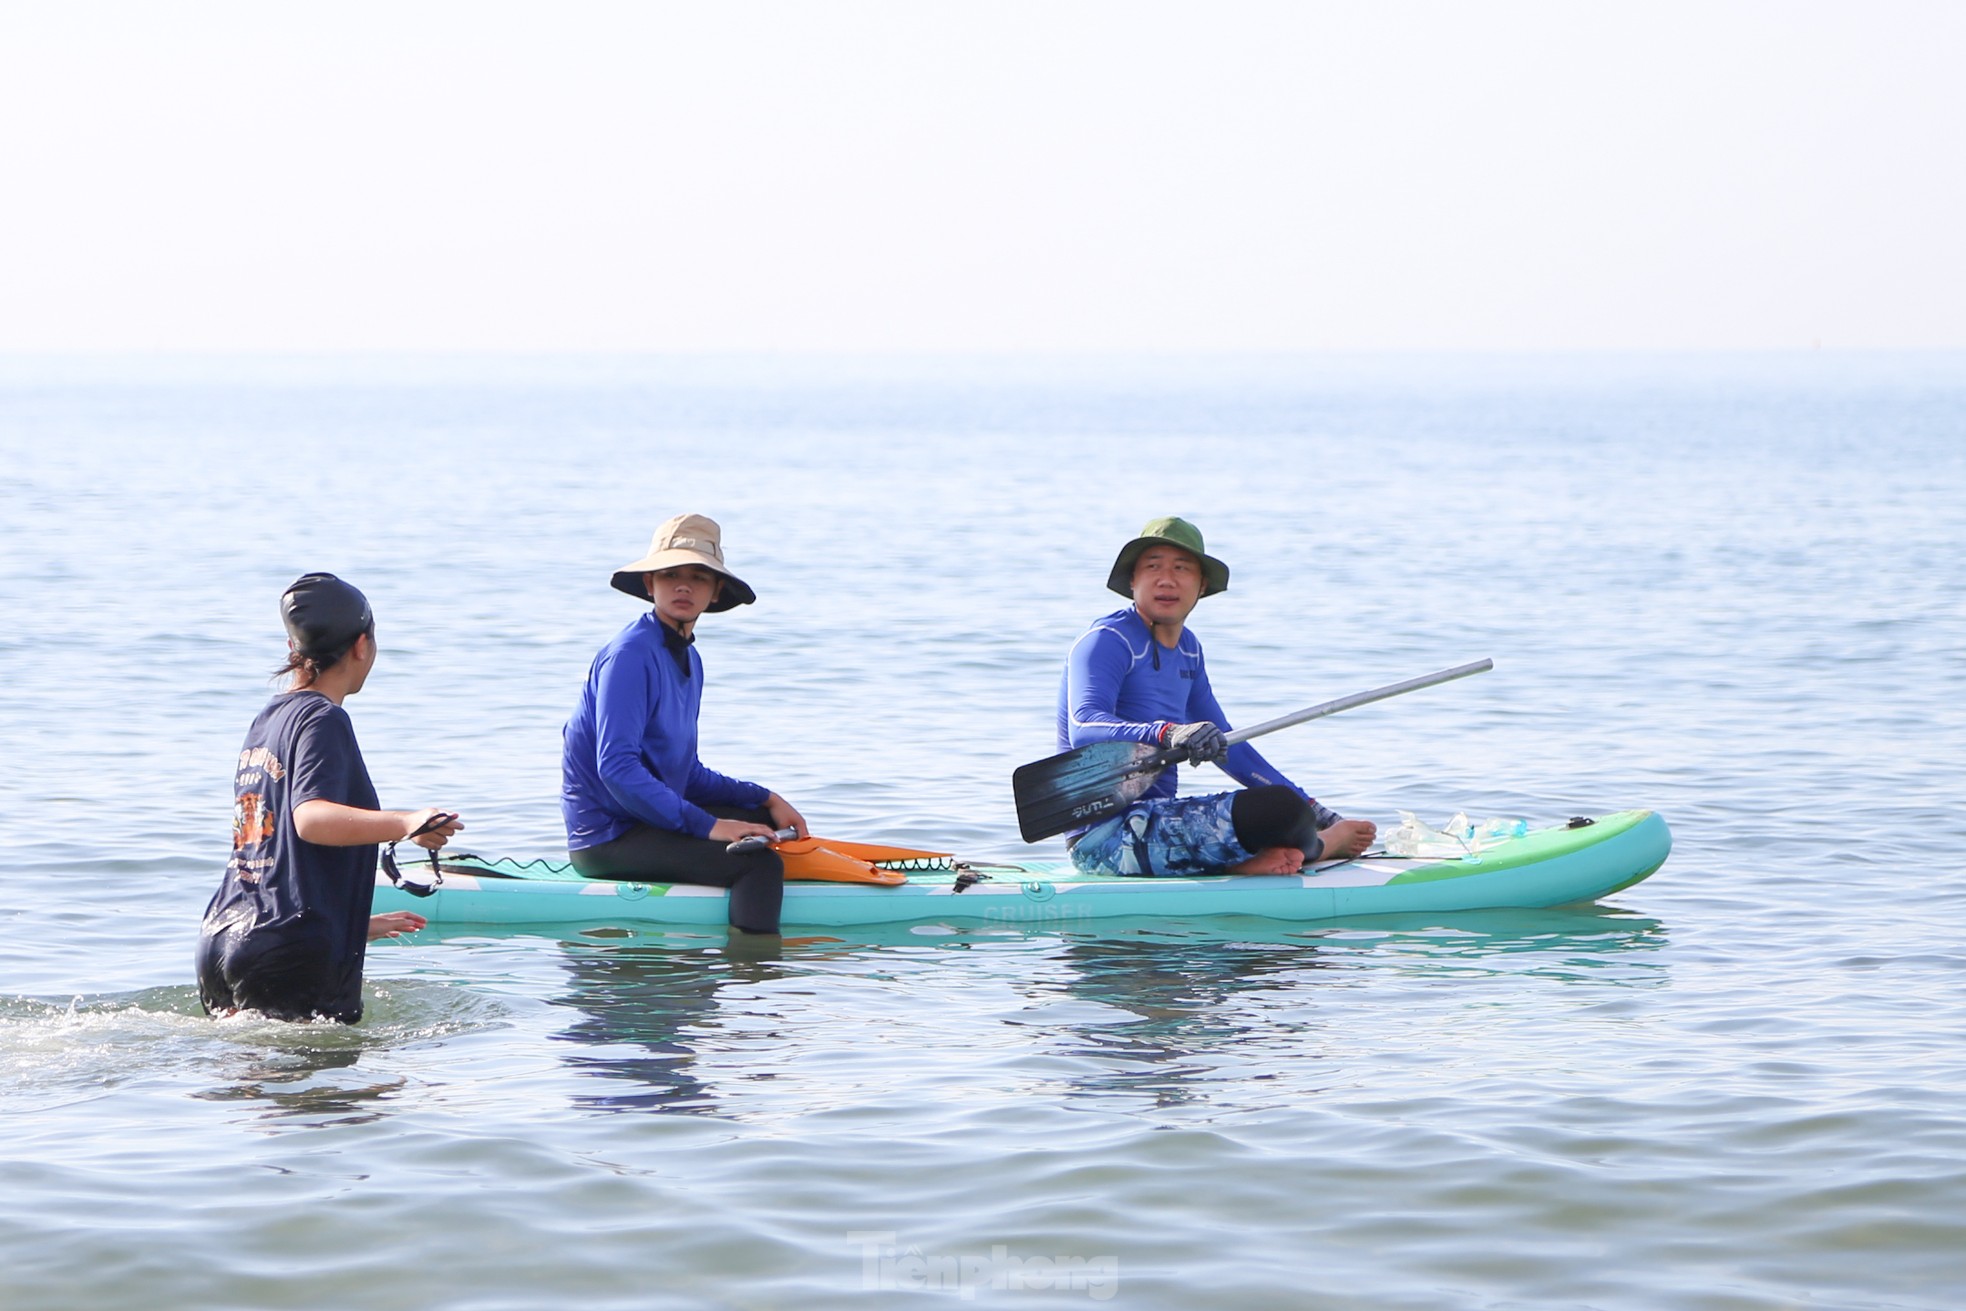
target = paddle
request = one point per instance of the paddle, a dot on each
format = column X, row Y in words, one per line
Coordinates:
column 758, row 841
column 1090, row 783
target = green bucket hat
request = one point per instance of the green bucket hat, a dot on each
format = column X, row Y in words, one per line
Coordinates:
column 1168, row 532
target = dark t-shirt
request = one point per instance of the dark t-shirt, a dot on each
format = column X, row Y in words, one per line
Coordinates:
column 284, row 898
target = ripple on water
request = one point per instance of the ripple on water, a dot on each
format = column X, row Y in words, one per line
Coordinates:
column 58, row 1054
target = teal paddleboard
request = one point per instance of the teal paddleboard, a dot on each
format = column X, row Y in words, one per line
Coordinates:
column 1545, row 867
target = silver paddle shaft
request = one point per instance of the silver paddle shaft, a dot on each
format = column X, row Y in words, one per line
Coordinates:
column 1357, row 699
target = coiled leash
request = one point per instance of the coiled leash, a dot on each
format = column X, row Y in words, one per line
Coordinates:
column 396, row 876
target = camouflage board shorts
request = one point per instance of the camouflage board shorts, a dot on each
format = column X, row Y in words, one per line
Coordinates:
column 1165, row 836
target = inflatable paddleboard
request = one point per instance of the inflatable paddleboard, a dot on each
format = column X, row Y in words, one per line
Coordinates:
column 1558, row 866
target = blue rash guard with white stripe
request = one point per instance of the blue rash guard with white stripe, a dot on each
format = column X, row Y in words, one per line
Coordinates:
column 1122, row 685
column 629, row 752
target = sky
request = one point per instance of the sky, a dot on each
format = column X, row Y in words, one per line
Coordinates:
column 882, row 176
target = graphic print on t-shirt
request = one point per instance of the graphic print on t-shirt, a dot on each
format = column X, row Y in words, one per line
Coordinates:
column 253, row 820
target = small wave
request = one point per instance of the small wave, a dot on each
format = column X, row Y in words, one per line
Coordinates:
column 55, row 1053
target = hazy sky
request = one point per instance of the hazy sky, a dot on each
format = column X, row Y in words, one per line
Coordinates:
column 981, row 176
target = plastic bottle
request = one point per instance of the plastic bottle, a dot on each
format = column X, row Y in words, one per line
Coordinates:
column 1414, row 838
column 1406, row 839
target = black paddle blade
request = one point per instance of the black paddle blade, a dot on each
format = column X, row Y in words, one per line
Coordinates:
column 1082, row 786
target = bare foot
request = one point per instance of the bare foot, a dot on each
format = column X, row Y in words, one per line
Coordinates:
column 1271, row 860
column 1347, row 838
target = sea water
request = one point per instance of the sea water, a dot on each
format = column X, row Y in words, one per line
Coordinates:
column 1729, row 588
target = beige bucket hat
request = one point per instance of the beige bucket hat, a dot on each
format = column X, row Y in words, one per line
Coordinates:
column 686, row 539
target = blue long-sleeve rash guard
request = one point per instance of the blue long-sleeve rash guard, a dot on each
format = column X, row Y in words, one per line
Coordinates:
column 629, row 752
column 1120, row 684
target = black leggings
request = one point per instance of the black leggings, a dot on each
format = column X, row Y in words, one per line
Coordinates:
column 645, row 854
column 1275, row 816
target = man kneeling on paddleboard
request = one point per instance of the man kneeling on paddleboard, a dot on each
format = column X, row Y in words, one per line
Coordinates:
column 1137, row 675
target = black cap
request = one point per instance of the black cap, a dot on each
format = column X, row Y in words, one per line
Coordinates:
column 324, row 615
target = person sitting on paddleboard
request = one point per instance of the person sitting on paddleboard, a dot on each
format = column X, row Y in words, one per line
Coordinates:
column 288, row 929
column 1137, row 675
column 638, row 803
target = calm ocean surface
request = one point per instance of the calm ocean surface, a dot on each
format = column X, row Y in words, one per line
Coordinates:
column 1732, row 589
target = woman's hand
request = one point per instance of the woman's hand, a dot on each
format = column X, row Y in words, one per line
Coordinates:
column 784, row 816
column 394, row 924
column 730, row 830
column 438, row 835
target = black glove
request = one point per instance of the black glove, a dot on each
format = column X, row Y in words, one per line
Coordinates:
column 1200, row 743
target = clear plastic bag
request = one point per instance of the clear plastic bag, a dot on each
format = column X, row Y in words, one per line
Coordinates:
column 1458, row 837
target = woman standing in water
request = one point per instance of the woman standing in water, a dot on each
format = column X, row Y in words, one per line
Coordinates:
column 638, row 803
column 287, row 931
